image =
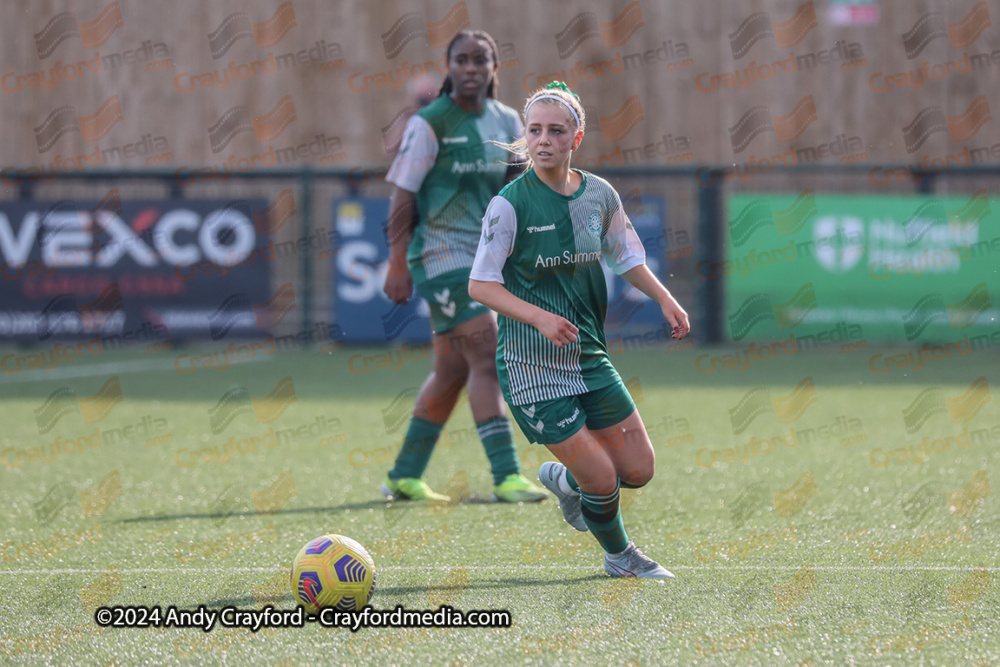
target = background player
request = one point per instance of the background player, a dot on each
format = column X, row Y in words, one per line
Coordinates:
column 448, row 167
column 538, row 266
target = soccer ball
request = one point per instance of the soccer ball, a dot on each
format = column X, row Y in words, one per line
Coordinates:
column 333, row 571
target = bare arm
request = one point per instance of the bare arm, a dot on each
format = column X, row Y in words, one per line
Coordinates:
column 398, row 281
column 496, row 297
column 646, row 282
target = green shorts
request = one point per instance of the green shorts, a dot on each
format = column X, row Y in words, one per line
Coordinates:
column 448, row 298
column 551, row 422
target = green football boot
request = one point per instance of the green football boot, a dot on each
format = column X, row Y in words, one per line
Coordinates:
column 517, row 489
column 411, row 488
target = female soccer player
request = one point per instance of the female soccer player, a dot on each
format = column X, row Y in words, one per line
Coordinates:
column 538, row 267
column 446, row 172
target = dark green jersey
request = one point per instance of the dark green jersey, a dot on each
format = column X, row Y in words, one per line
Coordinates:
column 545, row 248
column 448, row 160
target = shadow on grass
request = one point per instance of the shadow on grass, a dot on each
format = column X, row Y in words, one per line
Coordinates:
column 355, row 507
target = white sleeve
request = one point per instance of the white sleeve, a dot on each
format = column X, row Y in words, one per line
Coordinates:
column 622, row 248
column 497, row 242
column 416, row 155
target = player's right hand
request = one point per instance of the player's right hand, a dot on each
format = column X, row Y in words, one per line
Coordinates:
column 678, row 318
column 398, row 283
column 557, row 329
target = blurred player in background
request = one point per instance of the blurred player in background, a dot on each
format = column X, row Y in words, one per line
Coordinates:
column 419, row 93
column 448, row 168
column 538, row 267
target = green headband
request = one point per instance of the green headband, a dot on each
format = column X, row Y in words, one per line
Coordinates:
column 561, row 85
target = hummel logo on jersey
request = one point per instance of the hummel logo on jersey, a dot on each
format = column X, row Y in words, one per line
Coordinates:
column 455, row 140
column 546, row 228
column 493, row 221
column 563, row 423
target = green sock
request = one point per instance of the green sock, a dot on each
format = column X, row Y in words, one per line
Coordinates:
column 603, row 516
column 421, row 437
column 498, row 440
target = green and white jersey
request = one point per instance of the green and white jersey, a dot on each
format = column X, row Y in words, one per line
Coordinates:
column 446, row 158
column 545, row 248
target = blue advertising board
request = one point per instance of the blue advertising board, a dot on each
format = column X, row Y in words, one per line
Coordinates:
column 631, row 314
column 366, row 315
column 361, row 309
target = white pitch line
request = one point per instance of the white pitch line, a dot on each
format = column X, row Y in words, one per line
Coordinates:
column 789, row 568
column 844, row 568
column 109, row 368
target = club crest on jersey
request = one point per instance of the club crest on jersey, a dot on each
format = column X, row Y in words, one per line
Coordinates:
column 594, row 223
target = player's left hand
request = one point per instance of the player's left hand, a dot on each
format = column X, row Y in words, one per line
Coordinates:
column 677, row 316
